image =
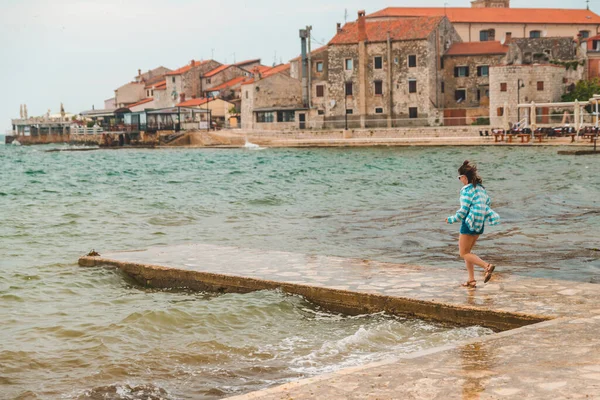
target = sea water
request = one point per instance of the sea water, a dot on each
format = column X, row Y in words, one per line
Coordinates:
column 71, row 332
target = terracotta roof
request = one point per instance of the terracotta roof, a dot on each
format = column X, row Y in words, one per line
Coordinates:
column 146, row 100
column 215, row 71
column 312, row 53
column 182, row 70
column 474, row 48
column 399, row 29
column 156, row 84
column 227, row 84
column 266, row 72
column 195, row 102
column 496, row 15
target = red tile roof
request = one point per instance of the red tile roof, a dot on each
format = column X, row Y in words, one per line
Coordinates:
column 495, row 15
column 156, row 84
column 182, row 70
column 399, row 29
column 475, row 48
column 227, row 84
column 146, row 100
column 215, row 71
column 266, row 72
column 195, row 102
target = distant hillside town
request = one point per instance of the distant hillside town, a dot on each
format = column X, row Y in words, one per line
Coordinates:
column 397, row 67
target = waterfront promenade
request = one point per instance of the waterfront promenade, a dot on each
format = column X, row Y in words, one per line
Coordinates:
column 547, row 345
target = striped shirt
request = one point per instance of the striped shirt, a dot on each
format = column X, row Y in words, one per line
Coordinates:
column 475, row 208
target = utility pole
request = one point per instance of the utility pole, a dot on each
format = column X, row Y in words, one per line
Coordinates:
column 308, row 30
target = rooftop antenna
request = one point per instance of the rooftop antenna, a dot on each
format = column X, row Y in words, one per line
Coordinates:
column 345, row 15
column 446, row 5
column 212, row 54
column 275, row 58
column 588, row 4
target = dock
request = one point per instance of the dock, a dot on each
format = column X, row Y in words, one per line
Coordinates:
column 546, row 345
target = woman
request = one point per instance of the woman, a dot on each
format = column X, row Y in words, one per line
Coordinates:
column 473, row 212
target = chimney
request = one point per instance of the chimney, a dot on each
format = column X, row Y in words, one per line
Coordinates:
column 139, row 72
column 192, row 63
column 182, row 97
column 507, row 38
column 362, row 26
column 338, row 27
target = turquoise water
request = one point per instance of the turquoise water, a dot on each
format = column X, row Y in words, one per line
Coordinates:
column 78, row 333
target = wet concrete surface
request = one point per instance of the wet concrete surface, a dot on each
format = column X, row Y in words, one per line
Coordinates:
column 558, row 358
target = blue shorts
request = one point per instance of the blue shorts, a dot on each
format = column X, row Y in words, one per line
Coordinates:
column 464, row 230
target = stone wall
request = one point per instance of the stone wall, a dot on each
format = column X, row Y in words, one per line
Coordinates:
column 129, row 93
column 541, row 50
column 224, row 76
column 527, row 76
column 472, row 83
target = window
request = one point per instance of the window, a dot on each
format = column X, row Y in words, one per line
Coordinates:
column 246, row 93
column 265, row 116
column 378, row 88
column 584, row 34
column 152, row 92
column 412, row 61
column 348, row 88
column 443, row 87
column 378, row 62
column 207, row 80
column 319, row 66
column 503, row 87
column 441, row 62
column 286, row 116
column 478, row 94
column 461, row 71
column 484, row 36
column 320, row 90
column 483, row 70
column 379, row 110
column 460, row 95
column 348, row 111
column 535, row 34
column 173, row 79
column 500, row 111
column 320, row 112
column 540, row 85
column 413, row 112
column 348, row 64
column 412, row 86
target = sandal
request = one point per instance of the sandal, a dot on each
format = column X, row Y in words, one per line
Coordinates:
column 469, row 284
column 488, row 272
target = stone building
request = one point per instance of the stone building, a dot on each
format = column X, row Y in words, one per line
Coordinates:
column 185, row 82
column 317, row 81
column 466, row 85
column 272, row 100
column 220, row 75
column 486, row 21
column 520, row 84
column 219, row 109
column 387, row 73
column 135, row 91
column 592, row 46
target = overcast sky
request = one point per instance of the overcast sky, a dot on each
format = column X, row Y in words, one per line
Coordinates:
column 77, row 52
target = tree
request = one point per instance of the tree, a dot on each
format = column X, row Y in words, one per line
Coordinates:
column 583, row 91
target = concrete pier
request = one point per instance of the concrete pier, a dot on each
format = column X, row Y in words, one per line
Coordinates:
column 548, row 345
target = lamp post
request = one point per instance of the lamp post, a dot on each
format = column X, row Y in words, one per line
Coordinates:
column 520, row 85
column 207, row 113
column 345, row 106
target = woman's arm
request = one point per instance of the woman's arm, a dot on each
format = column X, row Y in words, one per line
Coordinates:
column 465, row 203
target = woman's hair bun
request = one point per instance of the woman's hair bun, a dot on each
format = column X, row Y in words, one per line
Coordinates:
column 466, row 163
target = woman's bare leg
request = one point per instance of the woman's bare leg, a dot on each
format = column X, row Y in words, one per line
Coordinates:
column 465, row 245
